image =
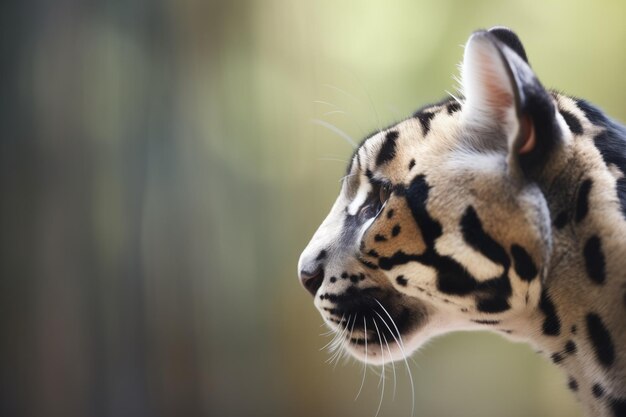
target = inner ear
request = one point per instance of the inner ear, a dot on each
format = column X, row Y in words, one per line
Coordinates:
column 526, row 140
column 493, row 76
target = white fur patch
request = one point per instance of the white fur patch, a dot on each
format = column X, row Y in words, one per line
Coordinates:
column 476, row 264
column 360, row 197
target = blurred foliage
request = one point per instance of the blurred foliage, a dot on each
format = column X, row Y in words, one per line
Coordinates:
column 161, row 173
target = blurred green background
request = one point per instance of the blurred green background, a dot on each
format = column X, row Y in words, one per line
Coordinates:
column 162, row 170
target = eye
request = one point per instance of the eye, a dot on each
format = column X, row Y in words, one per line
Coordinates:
column 376, row 201
column 384, row 193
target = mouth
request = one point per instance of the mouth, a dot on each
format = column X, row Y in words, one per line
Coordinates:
column 371, row 324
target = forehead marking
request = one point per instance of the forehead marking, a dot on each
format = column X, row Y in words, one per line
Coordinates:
column 388, row 149
column 425, row 118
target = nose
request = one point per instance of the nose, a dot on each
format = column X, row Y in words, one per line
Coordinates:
column 312, row 279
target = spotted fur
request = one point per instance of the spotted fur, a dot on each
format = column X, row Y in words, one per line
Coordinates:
column 504, row 210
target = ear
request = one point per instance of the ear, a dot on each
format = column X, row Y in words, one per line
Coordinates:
column 504, row 98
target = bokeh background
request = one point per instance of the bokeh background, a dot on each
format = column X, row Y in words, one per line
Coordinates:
column 164, row 162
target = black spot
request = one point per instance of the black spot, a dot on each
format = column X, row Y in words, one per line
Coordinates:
column 611, row 145
column 570, row 347
column 452, row 277
column 572, row 121
column 557, row 357
column 572, row 384
column 561, row 220
column 594, row 260
column 321, row 255
column 594, row 115
column 524, row 266
column 398, row 258
column 390, row 214
column 574, row 329
column 453, row 106
column 333, row 279
column 362, row 276
column 373, row 253
column 582, row 203
column 552, row 323
column 380, row 238
column 495, row 304
column 424, row 118
column 489, row 322
column 344, row 275
column 597, row 390
column 401, row 280
column 388, row 149
column 618, row 407
column 416, row 196
column 396, row 230
column 600, row 339
column 476, row 237
column 366, row 263
column 354, row 278
column 411, row 164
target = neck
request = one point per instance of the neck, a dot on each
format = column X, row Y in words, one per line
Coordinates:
column 580, row 321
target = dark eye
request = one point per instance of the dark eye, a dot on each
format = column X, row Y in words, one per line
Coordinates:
column 376, row 201
column 385, row 192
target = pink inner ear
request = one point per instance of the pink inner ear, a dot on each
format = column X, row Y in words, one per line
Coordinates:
column 527, row 135
column 496, row 86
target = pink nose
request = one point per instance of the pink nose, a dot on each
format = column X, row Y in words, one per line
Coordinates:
column 312, row 279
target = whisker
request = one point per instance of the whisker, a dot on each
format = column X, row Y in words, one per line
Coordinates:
column 393, row 367
column 337, row 347
column 333, row 159
column 346, row 176
column 458, row 100
column 365, row 362
column 401, row 346
column 333, row 342
column 371, row 102
column 336, row 130
column 325, row 102
column 342, row 348
column 328, row 113
column 344, row 92
column 382, row 375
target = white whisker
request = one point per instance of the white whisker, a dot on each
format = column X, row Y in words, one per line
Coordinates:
column 342, row 348
column 401, row 346
column 325, row 103
column 346, row 176
column 336, row 130
column 371, row 102
column 328, row 113
column 458, row 100
column 365, row 362
column 333, row 159
column 339, row 343
column 393, row 367
column 344, row 92
column 382, row 375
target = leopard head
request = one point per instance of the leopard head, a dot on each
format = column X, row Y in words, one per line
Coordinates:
column 440, row 224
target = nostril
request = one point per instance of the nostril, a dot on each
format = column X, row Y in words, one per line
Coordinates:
column 312, row 281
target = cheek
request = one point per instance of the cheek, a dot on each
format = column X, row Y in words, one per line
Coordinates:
column 393, row 230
